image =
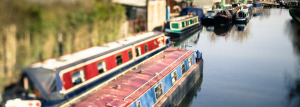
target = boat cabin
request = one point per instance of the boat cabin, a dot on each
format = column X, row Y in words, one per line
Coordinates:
column 59, row 80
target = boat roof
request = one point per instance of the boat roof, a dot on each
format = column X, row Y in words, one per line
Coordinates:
column 137, row 80
column 57, row 64
column 180, row 18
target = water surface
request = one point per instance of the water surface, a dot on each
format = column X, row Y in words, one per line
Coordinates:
column 249, row 65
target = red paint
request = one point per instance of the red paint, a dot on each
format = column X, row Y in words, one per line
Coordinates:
column 91, row 70
column 132, row 80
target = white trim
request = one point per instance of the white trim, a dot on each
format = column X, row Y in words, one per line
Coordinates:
column 63, row 91
column 76, row 99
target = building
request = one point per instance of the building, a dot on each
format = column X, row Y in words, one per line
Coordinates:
column 144, row 15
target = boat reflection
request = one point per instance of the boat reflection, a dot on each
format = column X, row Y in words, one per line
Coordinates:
column 193, row 92
column 186, row 40
column 223, row 30
column 292, row 80
column 241, row 26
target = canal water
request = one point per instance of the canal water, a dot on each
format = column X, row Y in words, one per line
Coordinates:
column 248, row 65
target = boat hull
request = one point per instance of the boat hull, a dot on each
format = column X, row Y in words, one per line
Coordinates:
column 186, row 31
column 177, row 94
column 222, row 20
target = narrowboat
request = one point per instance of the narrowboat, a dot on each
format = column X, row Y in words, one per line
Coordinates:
column 223, row 17
column 257, row 7
column 243, row 14
column 57, row 81
column 160, row 81
column 188, row 21
column 187, row 41
column 209, row 17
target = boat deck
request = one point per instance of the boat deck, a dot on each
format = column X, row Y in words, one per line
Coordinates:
column 130, row 86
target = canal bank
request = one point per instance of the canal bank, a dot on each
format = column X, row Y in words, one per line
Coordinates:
column 254, row 67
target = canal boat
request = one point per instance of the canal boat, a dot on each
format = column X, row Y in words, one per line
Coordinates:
column 160, row 81
column 257, row 7
column 188, row 21
column 209, row 17
column 243, row 14
column 56, row 81
column 223, row 17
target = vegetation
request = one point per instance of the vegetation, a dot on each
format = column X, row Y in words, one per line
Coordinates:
column 31, row 30
column 295, row 13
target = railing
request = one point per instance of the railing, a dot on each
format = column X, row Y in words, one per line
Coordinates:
column 153, row 77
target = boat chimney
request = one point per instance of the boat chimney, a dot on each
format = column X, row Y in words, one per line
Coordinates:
column 118, row 86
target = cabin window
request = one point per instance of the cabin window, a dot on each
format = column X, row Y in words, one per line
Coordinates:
column 119, row 60
column 191, row 21
column 174, row 77
column 187, row 23
column 196, row 20
column 175, row 25
column 155, row 43
column 146, row 48
column 138, row 51
column 138, row 104
column 183, row 70
column 101, row 67
column 158, row 91
column 130, row 54
column 190, row 61
column 183, row 24
column 78, row 77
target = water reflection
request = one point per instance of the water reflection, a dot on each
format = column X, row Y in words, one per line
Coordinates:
column 251, row 65
column 265, row 14
column 194, row 91
column 186, row 41
column 237, row 31
column 293, row 80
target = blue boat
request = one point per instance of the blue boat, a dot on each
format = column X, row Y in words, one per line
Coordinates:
column 162, row 81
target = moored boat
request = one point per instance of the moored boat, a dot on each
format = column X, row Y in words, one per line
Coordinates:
column 153, row 83
column 70, row 77
column 223, row 17
column 243, row 14
column 257, row 7
column 188, row 22
column 209, row 17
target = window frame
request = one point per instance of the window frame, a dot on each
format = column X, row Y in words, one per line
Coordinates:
column 183, row 68
column 146, row 48
column 161, row 90
column 130, row 55
column 190, row 61
column 138, row 103
column 174, row 73
column 138, row 51
column 81, row 76
column 103, row 66
column 155, row 43
column 117, row 59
